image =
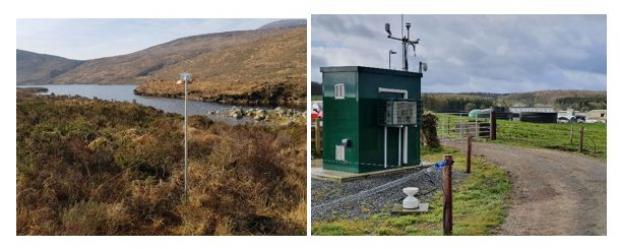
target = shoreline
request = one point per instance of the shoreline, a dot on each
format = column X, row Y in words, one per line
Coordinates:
column 232, row 115
column 235, row 100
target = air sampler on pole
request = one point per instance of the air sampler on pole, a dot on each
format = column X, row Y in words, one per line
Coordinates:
column 185, row 78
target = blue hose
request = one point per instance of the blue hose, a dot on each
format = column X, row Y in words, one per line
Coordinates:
column 440, row 165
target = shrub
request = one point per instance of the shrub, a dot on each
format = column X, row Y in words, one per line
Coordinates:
column 429, row 130
column 94, row 167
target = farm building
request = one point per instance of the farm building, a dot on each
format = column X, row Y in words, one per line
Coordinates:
column 596, row 116
column 539, row 117
column 536, row 114
column 531, row 109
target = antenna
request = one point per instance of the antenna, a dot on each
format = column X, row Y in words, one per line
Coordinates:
column 390, row 53
column 404, row 39
column 402, row 17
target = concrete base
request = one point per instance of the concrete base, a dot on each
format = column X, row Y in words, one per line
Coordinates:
column 339, row 176
column 399, row 210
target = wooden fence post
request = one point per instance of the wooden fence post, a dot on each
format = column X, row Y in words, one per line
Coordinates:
column 571, row 134
column 493, row 124
column 469, row 138
column 317, row 136
column 581, row 139
column 447, row 192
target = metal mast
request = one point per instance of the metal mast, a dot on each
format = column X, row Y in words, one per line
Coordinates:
column 185, row 139
column 406, row 40
column 186, row 78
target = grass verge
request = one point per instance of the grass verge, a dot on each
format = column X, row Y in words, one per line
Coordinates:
column 479, row 206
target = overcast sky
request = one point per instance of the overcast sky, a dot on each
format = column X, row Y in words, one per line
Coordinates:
column 95, row 38
column 482, row 53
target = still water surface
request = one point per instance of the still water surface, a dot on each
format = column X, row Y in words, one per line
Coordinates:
column 125, row 93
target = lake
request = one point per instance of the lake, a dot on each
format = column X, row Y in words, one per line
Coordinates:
column 125, row 93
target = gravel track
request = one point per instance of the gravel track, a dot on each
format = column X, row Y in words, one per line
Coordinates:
column 553, row 192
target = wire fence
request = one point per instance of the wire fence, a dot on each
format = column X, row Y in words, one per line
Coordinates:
column 457, row 126
column 590, row 139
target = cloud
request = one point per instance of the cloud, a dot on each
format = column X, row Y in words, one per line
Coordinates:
column 495, row 53
column 96, row 38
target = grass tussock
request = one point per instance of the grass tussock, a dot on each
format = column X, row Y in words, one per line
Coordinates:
column 87, row 167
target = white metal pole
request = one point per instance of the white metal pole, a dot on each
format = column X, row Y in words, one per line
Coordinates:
column 405, row 64
column 400, row 142
column 185, row 139
column 406, row 145
column 385, row 143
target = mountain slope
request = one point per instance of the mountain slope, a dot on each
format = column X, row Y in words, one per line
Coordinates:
column 288, row 23
column 41, row 68
column 266, row 66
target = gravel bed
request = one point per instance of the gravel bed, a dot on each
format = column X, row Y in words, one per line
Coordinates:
column 365, row 197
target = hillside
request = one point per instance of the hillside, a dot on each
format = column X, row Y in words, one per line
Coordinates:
column 549, row 97
column 288, row 23
column 41, row 68
column 581, row 100
column 265, row 66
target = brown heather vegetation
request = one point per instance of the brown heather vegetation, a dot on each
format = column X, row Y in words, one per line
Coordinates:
column 267, row 70
column 88, row 167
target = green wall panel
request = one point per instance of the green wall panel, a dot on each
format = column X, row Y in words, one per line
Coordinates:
column 356, row 117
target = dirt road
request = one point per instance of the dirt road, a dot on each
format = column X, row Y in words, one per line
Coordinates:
column 553, row 193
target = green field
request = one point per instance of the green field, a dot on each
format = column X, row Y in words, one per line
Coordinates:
column 552, row 136
column 479, row 207
column 555, row 136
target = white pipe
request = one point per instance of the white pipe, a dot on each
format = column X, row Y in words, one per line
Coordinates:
column 405, row 93
column 405, row 148
column 385, row 146
column 400, row 141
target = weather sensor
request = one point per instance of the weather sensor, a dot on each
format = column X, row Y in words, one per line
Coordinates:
column 405, row 41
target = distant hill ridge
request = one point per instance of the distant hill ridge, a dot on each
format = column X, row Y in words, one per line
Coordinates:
column 288, row 23
column 41, row 68
column 262, row 66
column 582, row 100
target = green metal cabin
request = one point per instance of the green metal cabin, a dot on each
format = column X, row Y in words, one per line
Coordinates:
column 371, row 119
